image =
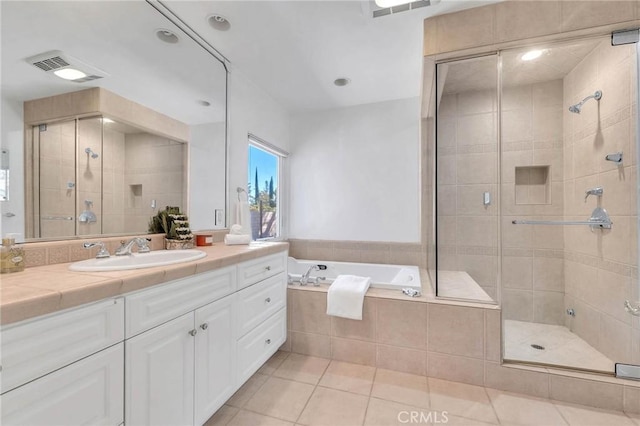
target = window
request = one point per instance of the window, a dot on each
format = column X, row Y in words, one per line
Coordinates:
column 265, row 188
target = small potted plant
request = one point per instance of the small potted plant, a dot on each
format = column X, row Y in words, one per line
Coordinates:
column 175, row 227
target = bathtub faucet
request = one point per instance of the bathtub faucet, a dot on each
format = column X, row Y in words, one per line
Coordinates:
column 306, row 279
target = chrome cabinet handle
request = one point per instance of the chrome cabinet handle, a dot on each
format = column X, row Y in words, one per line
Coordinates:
column 268, row 341
column 193, row 332
column 267, row 268
column 268, row 300
column 204, row 326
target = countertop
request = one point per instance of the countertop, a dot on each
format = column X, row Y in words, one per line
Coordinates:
column 46, row 289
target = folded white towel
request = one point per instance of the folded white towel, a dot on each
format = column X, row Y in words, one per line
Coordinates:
column 346, row 296
column 236, row 230
column 243, row 217
column 232, row 240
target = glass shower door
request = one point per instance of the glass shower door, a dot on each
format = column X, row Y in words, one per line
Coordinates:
column 569, row 210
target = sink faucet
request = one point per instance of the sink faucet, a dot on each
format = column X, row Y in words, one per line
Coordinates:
column 125, row 247
column 102, row 253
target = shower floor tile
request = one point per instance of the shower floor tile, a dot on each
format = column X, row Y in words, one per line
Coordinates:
column 561, row 346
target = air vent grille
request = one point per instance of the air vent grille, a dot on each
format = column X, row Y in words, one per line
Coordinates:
column 51, row 64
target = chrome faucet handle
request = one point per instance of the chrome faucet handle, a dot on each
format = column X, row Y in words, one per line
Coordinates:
column 102, row 253
column 143, row 245
column 597, row 191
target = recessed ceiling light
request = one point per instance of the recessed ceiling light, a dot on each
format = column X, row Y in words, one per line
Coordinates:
column 204, row 103
column 532, row 54
column 70, row 74
column 341, row 82
column 219, row 22
column 167, row 36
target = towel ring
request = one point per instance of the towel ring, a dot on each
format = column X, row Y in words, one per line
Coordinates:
column 241, row 190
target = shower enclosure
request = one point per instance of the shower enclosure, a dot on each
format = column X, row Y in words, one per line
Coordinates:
column 94, row 176
column 536, row 197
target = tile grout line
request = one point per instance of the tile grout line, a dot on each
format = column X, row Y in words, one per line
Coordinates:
column 366, row 410
column 315, row 387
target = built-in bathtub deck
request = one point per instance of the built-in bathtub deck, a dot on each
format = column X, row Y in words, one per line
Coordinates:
column 460, row 285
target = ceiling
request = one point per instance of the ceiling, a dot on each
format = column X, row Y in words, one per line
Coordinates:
column 294, row 50
column 117, row 37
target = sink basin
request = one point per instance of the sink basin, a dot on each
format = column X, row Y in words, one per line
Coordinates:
column 137, row 260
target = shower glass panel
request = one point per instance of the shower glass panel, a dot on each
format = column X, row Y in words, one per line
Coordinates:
column 89, row 185
column 567, row 114
column 467, row 179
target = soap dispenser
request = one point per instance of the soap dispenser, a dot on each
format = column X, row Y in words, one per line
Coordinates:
column 11, row 255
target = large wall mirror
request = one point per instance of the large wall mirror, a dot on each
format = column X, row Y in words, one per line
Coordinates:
column 152, row 134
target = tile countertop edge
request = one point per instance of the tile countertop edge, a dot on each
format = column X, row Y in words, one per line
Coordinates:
column 46, row 289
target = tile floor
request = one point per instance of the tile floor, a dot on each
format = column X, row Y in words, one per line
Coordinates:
column 302, row 390
column 562, row 347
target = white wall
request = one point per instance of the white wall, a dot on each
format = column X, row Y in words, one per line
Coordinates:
column 354, row 173
column 12, row 134
column 251, row 110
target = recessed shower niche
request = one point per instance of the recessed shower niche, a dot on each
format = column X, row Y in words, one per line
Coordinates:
column 90, row 172
column 532, row 185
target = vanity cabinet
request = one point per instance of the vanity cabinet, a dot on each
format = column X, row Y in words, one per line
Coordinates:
column 186, row 355
column 65, row 368
column 169, row 354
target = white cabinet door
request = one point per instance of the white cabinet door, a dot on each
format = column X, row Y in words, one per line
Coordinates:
column 260, row 343
column 259, row 301
column 159, row 375
column 88, row 392
column 215, row 359
column 33, row 348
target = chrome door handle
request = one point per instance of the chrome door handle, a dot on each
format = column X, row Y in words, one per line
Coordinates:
column 193, row 332
column 204, row 326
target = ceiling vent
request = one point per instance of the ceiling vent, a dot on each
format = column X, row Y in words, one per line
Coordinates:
column 379, row 12
column 63, row 66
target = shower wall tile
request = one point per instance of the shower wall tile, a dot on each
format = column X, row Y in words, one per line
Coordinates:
column 548, row 307
column 615, row 339
column 517, row 304
column 517, row 273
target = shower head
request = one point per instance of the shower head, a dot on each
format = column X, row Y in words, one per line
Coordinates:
column 89, row 151
column 577, row 107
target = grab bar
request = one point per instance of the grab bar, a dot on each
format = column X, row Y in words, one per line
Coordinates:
column 57, row 217
column 601, row 224
column 599, row 220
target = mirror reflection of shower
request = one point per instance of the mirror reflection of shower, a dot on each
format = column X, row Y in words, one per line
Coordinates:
column 577, row 107
column 90, row 152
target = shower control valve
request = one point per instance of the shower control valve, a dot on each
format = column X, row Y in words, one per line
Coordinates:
column 597, row 191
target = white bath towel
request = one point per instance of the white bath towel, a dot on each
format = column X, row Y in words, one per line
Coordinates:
column 243, row 217
column 346, row 296
column 232, row 240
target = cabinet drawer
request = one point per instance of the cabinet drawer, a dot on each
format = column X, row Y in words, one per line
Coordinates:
column 33, row 348
column 87, row 392
column 255, row 270
column 259, row 302
column 151, row 307
column 257, row 346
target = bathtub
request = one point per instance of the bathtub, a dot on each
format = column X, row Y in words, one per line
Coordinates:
column 382, row 276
